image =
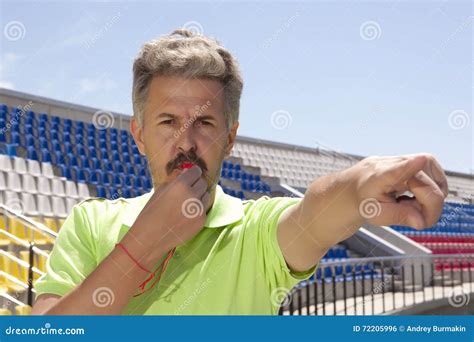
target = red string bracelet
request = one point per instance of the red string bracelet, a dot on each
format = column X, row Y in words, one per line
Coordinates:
column 164, row 263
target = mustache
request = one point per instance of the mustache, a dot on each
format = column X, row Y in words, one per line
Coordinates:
column 189, row 157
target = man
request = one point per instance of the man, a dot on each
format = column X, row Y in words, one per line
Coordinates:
column 188, row 248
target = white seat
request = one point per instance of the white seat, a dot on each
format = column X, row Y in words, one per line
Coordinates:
column 83, row 190
column 70, row 203
column 34, row 167
column 47, row 170
column 29, row 183
column 5, row 163
column 59, row 208
column 12, row 201
column 57, row 185
column 44, row 186
column 44, row 205
column 29, row 204
column 19, row 165
column 3, row 183
column 13, row 181
column 71, row 190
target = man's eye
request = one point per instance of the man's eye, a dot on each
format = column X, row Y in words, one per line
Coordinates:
column 167, row 122
column 205, row 123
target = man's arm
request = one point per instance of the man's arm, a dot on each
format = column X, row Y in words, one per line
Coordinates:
column 334, row 207
column 107, row 290
column 159, row 227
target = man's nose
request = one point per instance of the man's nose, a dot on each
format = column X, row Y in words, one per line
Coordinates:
column 186, row 141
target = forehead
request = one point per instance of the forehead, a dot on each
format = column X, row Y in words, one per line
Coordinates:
column 185, row 93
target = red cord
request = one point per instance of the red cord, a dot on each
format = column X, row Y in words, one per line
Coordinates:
column 164, row 263
column 131, row 257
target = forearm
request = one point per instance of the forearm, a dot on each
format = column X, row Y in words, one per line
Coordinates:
column 330, row 209
column 110, row 287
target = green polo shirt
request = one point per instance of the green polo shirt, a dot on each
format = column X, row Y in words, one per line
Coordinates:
column 233, row 266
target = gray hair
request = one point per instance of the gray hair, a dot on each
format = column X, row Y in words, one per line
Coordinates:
column 185, row 54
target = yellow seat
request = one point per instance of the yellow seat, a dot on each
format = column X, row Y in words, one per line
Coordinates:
column 4, row 241
column 23, row 310
column 5, row 312
column 13, row 269
column 60, row 223
column 42, row 262
column 17, row 228
column 50, row 222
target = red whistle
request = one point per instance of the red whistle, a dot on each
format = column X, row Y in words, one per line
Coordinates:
column 186, row 165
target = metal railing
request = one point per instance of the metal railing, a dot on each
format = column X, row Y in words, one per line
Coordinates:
column 388, row 284
column 32, row 226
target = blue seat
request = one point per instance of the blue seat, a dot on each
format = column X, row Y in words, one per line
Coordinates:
column 65, row 171
column 31, row 153
column 117, row 180
column 66, row 137
column 95, row 163
column 118, row 167
column 126, row 157
column 148, row 184
column 54, row 119
column 44, row 117
column 45, row 156
column 30, row 140
column 43, row 143
column 327, row 272
column 79, row 139
column 29, row 129
column 104, row 154
column 15, row 138
column 10, row 150
column 138, row 183
column 71, row 160
column 101, row 191
column 129, row 168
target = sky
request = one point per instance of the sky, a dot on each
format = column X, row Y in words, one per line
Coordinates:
column 360, row 77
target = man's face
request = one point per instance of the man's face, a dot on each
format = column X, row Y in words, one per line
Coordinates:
column 184, row 123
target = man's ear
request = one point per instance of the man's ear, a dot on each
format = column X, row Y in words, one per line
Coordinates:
column 137, row 133
column 231, row 138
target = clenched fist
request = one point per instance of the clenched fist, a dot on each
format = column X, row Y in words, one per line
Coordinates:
column 381, row 181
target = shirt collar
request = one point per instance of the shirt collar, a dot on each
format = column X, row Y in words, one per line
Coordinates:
column 224, row 211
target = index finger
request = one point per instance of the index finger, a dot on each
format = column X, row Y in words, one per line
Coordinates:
column 191, row 175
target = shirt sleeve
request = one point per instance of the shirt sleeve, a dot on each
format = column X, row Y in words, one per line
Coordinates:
column 72, row 258
column 269, row 254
